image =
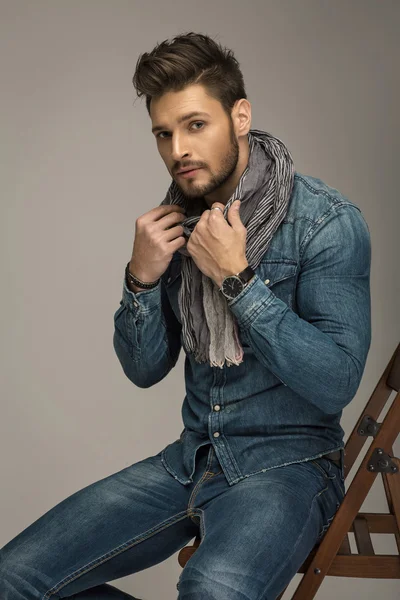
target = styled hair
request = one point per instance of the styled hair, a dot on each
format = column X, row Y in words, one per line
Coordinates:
column 187, row 59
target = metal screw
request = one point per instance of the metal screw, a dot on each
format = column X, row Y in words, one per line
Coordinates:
column 317, row 571
column 361, row 431
column 380, row 451
column 394, row 469
column 371, row 468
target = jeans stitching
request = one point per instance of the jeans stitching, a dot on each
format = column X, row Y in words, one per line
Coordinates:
column 324, row 473
column 327, row 524
column 285, row 464
column 190, row 507
column 111, row 554
column 277, row 573
column 201, row 480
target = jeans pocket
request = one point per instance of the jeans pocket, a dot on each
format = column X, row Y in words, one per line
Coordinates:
column 331, row 500
column 325, row 466
column 332, row 472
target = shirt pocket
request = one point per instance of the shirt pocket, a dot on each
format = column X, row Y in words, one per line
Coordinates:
column 280, row 275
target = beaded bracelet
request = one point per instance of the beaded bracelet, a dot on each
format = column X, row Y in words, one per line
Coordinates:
column 135, row 281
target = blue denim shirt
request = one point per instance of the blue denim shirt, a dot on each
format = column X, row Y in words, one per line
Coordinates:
column 305, row 327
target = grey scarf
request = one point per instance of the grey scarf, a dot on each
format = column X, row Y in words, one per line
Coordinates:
column 209, row 328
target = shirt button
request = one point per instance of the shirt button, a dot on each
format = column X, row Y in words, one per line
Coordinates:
column 135, row 304
column 217, row 407
column 216, row 434
column 169, row 279
column 266, row 281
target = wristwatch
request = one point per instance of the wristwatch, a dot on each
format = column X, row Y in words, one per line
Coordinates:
column 233, row 285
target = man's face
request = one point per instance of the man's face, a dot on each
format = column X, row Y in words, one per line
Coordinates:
column 203, row 141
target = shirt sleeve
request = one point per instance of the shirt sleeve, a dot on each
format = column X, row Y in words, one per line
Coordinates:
column 147, row 335
column 320, row 351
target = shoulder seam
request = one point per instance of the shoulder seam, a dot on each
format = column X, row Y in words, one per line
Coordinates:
column 335, row 201
column 321, row 219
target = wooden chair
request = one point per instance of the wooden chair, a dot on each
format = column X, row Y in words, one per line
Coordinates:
column 333, row 556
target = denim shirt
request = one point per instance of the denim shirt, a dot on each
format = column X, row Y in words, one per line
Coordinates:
column 305, row 326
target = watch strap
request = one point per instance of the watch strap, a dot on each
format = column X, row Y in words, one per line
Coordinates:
column 246, row 274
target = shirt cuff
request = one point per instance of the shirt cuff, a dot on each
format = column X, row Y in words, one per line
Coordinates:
column 253, row 299
column 143, row 302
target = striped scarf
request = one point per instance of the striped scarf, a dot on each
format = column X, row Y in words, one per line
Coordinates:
column 209, row 329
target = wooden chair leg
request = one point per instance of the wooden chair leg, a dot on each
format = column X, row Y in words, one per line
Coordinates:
column 335, row 546
column 348, row 510
column 392, row 490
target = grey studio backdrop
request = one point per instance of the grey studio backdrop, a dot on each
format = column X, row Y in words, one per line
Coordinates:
column 79, row 165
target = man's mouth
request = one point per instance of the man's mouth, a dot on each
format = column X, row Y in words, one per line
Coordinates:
column 189, row 173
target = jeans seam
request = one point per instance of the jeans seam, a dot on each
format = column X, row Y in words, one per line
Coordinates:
column 327, row 524
column 201, row 480
column 277, row 573
column 295, row 462
column 95, row 563
column 321, row 469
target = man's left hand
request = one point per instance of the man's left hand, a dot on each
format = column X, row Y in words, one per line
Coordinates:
column 217, row 247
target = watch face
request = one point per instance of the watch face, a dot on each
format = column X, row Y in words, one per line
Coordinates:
column 232, row 286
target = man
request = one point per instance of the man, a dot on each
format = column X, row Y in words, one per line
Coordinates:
column 271, row 302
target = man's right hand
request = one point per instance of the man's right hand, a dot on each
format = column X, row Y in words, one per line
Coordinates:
column 158, row 234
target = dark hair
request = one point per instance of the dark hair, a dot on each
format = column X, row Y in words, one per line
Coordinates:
column 190, row 58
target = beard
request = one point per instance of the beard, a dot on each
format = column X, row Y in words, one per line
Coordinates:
column 228, row 166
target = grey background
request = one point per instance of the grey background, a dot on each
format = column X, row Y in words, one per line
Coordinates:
column 79, row 165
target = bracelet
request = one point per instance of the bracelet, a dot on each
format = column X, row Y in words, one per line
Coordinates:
column 135, row 281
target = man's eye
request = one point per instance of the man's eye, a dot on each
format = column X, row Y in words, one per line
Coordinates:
column 198, row 123
column 160, row 135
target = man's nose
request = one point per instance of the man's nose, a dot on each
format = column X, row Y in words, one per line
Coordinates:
column 179, row 148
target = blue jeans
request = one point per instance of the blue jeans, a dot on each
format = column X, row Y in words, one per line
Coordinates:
column 255, row 534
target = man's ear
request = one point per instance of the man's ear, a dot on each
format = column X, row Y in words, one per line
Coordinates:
column 241, row 116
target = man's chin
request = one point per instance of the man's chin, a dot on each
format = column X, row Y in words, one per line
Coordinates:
column 191, row 191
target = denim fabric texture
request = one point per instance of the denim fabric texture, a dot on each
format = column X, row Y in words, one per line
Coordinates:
column 305, row 327
column 248, row 473
column 254, row 535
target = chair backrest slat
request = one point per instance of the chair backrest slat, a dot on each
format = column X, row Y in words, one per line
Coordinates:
column 393, row 379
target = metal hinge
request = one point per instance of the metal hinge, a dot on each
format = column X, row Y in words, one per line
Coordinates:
column 381, row 462
column 368, row 426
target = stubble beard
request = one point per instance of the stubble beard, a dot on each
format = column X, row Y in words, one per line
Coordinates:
column 228, row 166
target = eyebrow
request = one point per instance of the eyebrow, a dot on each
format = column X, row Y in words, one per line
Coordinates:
column 181, row 119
